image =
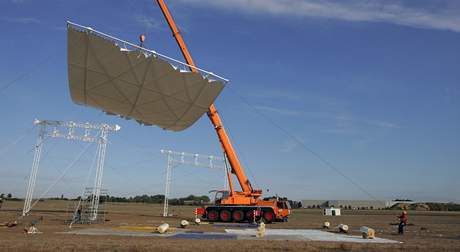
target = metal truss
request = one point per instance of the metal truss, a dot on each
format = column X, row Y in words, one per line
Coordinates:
column 198, row 160
column 86, row 132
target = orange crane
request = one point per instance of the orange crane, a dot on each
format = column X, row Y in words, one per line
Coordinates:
column 232, row 205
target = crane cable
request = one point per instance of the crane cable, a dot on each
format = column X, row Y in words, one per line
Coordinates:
column 241, row 154
column 27, row 73
column 304, row 146
column 16, row 141
column 93, row 164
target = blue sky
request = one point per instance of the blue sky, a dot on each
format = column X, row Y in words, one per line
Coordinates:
column 371, row 86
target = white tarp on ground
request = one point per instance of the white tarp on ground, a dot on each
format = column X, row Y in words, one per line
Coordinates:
column 133, row 85
column 306, row 234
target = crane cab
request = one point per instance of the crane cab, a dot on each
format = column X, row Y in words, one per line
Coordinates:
column 284, row 209
column 219, row 196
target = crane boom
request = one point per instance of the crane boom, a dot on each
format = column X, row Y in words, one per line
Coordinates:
column 213, row 115
column 237, row 206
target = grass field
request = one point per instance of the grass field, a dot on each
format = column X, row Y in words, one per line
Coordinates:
column 429, row 231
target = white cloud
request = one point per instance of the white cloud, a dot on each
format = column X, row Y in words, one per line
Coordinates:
column 339, row 131
column 345, row 121
column 353, row 10
column 148, row 23
column 21, row 20
column 383, row 124
column 285, row 112
column 277, row 95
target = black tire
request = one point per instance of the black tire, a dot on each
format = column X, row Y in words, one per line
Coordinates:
column 238, row 215
column 225, row 215
column 212, row 215
column 268, row 216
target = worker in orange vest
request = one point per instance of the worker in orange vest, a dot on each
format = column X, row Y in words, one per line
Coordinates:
column 402, row 222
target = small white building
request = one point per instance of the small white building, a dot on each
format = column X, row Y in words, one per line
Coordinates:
column 331, row 211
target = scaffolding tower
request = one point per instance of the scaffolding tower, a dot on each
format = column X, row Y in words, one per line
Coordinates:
column 71, row 131
column 86, row 211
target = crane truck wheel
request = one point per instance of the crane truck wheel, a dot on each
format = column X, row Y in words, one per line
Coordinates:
column 268, row 216
column 238, row 215
column 212, row 215
column 225, row 215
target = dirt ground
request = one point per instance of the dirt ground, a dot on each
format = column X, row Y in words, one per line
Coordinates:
column 428, row 231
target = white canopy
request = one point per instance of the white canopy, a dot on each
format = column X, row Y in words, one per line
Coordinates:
column 134, row 84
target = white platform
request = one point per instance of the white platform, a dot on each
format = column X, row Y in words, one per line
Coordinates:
column 306, row 234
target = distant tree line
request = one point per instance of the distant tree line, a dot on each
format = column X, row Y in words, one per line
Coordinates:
column 153, row 199
column 443, row 206
column 200, row 200
column 8, row 196
column 403, row 200
column 345, row 207
column 159, row 199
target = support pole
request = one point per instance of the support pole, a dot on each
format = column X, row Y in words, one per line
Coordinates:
column 169, row 167
column 101, row 150
column 225, row 180
column 34, row 170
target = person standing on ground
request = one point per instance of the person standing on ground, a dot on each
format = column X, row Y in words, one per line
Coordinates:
column 78, row 216
column 402, row 222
